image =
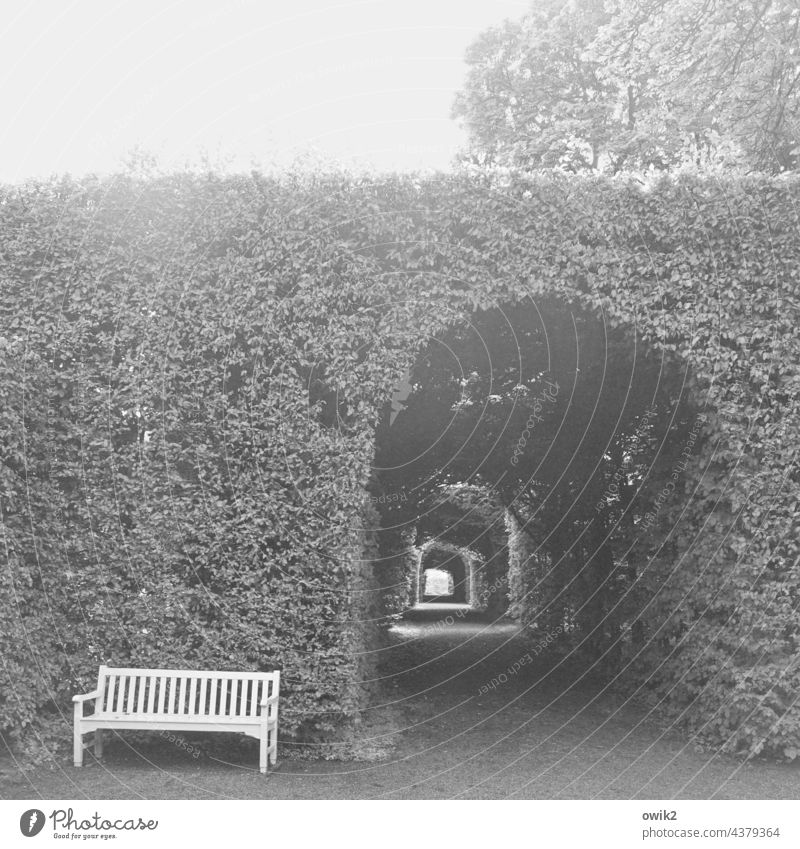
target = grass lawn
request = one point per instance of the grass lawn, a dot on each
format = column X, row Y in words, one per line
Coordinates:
column 441, row 736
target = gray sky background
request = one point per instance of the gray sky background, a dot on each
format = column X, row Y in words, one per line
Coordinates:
column 247, row 82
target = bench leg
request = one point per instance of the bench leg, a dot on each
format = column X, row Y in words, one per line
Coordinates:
column 77, row 746
column 262, row 754
column 98, row 743
column 273, row 747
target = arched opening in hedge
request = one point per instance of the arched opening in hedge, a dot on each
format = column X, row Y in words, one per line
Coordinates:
column 539, row 435
column 444, row 575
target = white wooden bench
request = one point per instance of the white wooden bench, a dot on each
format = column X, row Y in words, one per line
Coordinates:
column 181, row 700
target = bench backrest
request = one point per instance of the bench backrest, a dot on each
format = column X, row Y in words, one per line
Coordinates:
column 181, row 692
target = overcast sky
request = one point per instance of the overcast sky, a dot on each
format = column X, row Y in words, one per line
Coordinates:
column 366, row 83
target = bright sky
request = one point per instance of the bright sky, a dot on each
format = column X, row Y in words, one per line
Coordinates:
column 367, row 83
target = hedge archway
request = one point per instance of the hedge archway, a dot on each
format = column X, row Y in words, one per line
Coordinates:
column 194, row 369
column 462, row 564
column 538, row 412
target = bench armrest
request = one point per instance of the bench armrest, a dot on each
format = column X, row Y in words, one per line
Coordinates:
column 93, row 695
column 269, row 708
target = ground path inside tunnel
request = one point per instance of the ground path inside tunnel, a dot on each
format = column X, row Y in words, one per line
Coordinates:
column 463, row 725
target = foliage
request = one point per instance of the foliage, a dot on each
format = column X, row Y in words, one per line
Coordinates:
column 636, row 84
column 193, row 370
column 396, row 569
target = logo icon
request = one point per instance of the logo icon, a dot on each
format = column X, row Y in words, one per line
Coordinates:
column 31, row 822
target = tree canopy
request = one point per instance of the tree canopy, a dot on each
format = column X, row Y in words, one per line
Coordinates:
column 588, row 85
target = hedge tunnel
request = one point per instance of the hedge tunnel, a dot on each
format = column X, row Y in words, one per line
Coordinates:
column 194, row 372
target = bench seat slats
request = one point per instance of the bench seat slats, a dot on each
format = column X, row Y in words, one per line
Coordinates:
column 112, row 685
column 252, row 687
column 218, row 709
column 192, row 706
column 162, row 693
column 236, row 697
column 168, row 718
column 252, row 729
column 142, row 689
column 212, row 702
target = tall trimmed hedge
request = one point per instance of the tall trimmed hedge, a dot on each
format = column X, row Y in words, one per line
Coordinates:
column 192, row 368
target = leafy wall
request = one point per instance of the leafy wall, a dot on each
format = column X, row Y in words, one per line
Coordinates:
column 192, row 368
column 396, row 570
